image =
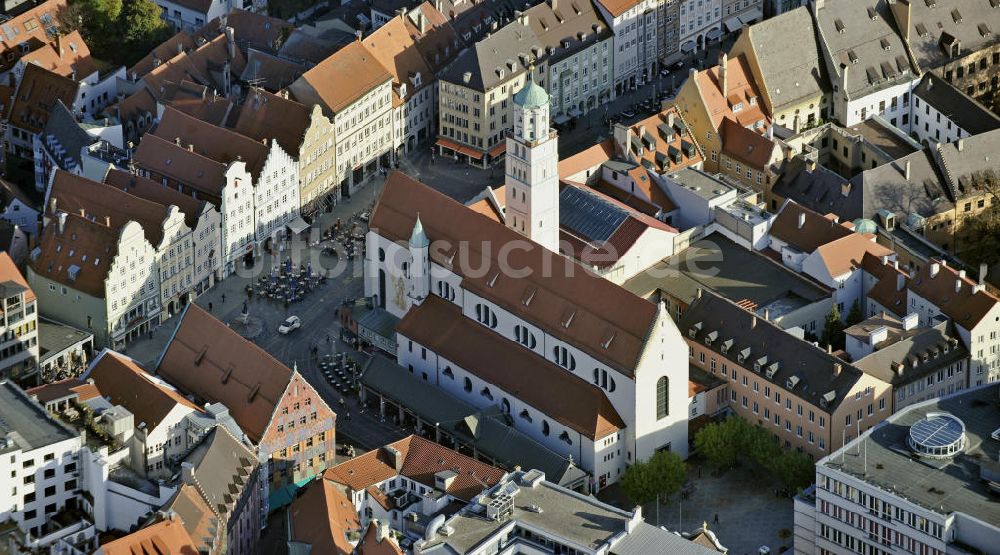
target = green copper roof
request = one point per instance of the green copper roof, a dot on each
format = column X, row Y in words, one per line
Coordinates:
column 418, row 238
column 532, row 95
column 864, row 225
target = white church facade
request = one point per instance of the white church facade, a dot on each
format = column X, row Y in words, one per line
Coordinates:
column 494, row 315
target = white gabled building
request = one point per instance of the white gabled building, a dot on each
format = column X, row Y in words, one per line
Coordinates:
column 201, row 217
column 636, row 39
column 158, row 412
column 582, row 366
column 274, row 173
column 164, row 226
column 97, row 276
column 227, row 186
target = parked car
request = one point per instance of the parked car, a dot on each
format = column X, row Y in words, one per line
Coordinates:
column 290, row 324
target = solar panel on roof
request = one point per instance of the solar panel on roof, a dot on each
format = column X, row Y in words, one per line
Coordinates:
column 936, row 431
column 588, row 215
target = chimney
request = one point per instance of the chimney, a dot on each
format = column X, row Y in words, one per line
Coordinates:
column 829, row 349
column 723, row 70
column 935, row 268
column 837, row 367
column 767, row 314
column 381, row 530
column 906, row 170
column 670, row 119
column 753, row 322
column 190, row 147
column 698, row 293
column 83, row 212
column 180, row 48
column 231, row 43
column 802, row 219
column 107, row 221
column 810, row 166
column 843, row 79
column 845, row 189
column 52, row 210
column 958, row 286
column 960, row 144
column 62, row 222
column 187, row 473
column 910, row 321
column 900, row 282
column 59, row 46
column 789, row 153
column 983, row 268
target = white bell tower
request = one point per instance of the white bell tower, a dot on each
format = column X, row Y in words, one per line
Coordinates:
column 419, row 278
column 532, row 169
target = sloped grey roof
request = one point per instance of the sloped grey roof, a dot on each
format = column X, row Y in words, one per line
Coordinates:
column 886, row 187
column 647, row 538
column 497, row 51
column 222, row 466
column 492, row 436
column 813, row 366
column 914, row 344
column 819, row 190
column 67, row 131
column 966, row 112
column 869, row 46
column 966, row 161
column 933, row 21
column 790, row 74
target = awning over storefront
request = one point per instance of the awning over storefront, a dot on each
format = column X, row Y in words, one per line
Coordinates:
column 499, row 149
column 297, row 225
column 733, row 24
column 752, row 15
column 714, row 34
column 460, row 149
column 687, row 47
column 575, row 113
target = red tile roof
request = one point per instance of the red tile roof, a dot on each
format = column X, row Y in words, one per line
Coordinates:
column 589, row 158
column 741, row 88
column 967, row 306
column 70, row 387
column 573, row 402
column 164, row 537
column 212, row 362
column 100, row 202
column 421, row 460
column 322, row 517
column 211, row 141
column 36, row 96
column 123, row 382
column 325, row 83
column 9, row 272
column 599, row 307
column 80, row 238
column 815, row 231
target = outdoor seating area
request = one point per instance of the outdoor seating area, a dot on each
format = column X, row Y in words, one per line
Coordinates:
column 349, row 235
column 341, row 371
column 286, row 283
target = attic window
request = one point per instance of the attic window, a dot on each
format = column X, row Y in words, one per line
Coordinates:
column 956, row 16
column 228, row 374
column 567, row 318
column 608, row 338
column 852, row 57
column 931, row 3
column 922, row 29
column 885, row 44
column 984, row 30
column 840, row 26
column 201, row 355
column 872, row 14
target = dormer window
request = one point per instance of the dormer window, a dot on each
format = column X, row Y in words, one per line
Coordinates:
column 737, row 107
